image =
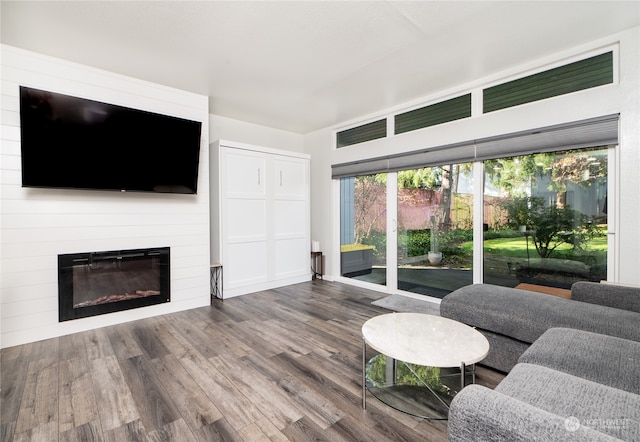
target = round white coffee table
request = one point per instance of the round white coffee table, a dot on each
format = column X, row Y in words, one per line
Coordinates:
column 419, row 355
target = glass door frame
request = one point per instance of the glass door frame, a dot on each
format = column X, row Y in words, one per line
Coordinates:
column 391, row 285
column 392, row 231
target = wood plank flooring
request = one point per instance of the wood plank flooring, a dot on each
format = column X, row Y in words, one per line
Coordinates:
column 278, row 365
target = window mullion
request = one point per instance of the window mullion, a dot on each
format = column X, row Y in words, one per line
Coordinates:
column 478, row 222
column 392, row 231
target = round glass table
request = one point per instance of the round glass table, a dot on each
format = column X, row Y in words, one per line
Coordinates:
column 422, row 361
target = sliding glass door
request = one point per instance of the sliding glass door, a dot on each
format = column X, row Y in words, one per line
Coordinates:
column 546, row 217
column 542, row 221
column 435, row 229
column 363, row 230
column 430, row 212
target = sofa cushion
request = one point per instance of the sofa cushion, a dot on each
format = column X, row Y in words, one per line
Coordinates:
column 603, row 359
column 611, row 295
column 479, row 414
column 586, row 403
column 525, row 315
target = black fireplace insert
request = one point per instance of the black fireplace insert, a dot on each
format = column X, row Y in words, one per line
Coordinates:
column 95, row 283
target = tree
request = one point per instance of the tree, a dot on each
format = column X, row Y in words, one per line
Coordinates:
column 553, row 226
column 512, row 175
column 444, row 179
column 424, row 178
column 518, row 210
column 580, row 167
column 369, row 201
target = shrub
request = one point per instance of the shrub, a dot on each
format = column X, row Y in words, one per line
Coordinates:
column 418, row 242
column 502, row 233
column 379, row 241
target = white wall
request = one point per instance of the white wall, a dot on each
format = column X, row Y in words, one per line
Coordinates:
column 223, row 128
column 38, row 224
column 622, row 97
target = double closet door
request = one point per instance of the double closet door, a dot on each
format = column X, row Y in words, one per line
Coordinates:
column 264, row 218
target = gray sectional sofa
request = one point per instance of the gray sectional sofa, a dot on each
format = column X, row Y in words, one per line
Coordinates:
column 574, row 365
column 513, row 319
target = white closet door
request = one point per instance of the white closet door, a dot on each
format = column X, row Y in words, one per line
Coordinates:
column 249, row 264
column 245, row 174
column 292, row 258
column 262, row 204
column 291, row 180
column 291, row 217
column 246, row 220
column 245, row 212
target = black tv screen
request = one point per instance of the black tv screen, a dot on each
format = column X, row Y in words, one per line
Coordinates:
column 70, row 142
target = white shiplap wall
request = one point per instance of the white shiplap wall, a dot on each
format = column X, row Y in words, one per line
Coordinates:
column 38, row 224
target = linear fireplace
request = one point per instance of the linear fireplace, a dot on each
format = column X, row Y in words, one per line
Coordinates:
column 95, row 283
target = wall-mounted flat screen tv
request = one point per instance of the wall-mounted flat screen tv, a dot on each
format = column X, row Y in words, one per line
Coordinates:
column 70, row 142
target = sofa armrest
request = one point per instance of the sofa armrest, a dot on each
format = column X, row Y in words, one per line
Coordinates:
column 610, row 295
column 480, row 414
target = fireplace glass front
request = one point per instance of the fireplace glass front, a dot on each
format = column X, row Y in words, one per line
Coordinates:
column 94, row 283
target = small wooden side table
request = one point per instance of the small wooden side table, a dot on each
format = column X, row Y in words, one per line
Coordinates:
column 317, row 265
column 216, row 281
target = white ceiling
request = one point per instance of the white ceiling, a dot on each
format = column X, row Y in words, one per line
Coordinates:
column 302, row 66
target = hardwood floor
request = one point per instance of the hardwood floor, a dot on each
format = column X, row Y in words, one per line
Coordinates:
column 278, row 365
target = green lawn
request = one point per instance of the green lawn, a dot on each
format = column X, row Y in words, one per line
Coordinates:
column 517, row 247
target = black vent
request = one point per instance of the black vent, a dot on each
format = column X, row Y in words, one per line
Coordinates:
column 584, row 74
column 360, row 134
column 443, row 112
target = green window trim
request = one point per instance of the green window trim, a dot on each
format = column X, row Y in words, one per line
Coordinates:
column 443, row 112
column 573, row 77
column 360, row 134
